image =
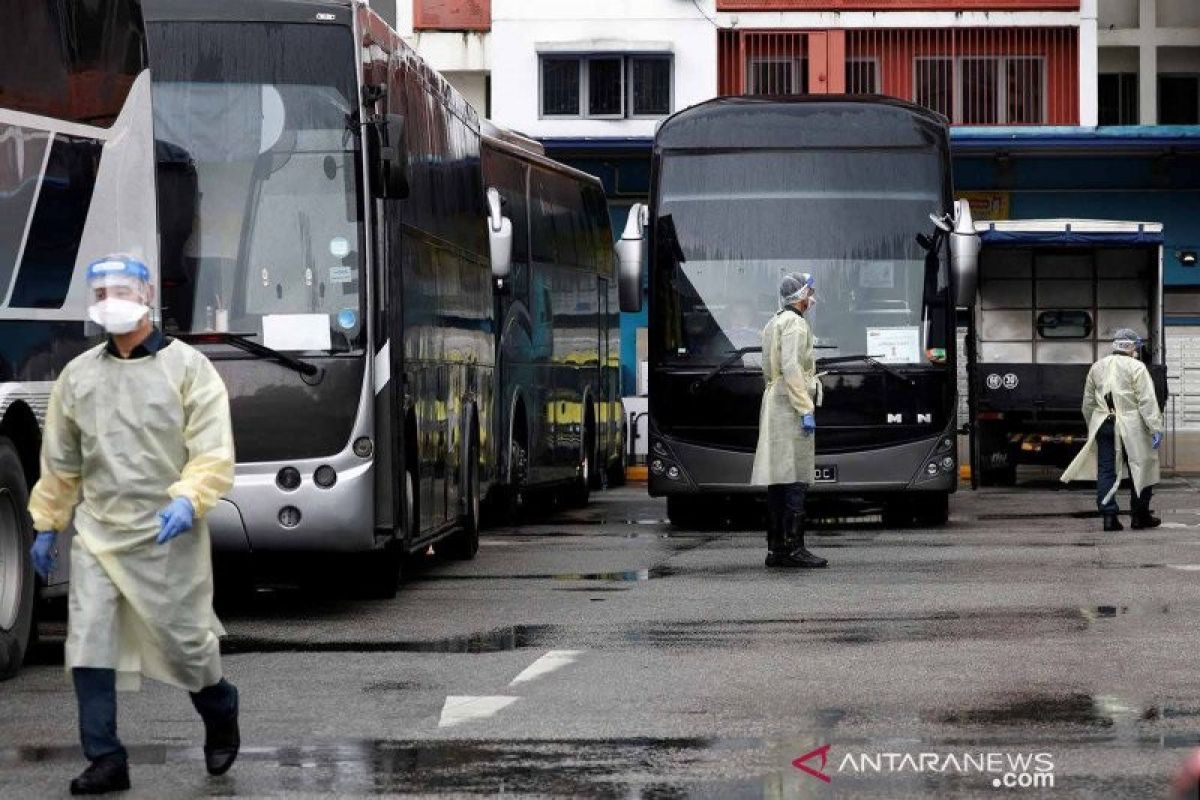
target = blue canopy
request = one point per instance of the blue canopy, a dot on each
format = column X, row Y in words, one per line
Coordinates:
column 1069, row 237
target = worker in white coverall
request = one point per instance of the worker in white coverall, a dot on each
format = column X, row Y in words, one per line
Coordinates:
column 786, row 452
column 138, row 447
column 1125, row 429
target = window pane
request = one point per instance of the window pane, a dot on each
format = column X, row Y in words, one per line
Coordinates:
column 560, row 87
column 1119, row 99
column 604, row 87
column 980, row 91
column 1025, row 91
column 651, row 85
column 771, row 77
column 935, row 85
column 1178, row 99
column 861, row 77
column 1064, row 324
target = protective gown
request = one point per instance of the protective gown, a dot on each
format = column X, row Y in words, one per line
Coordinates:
column 1137, row 418
column 784, row 454
column 132, row 435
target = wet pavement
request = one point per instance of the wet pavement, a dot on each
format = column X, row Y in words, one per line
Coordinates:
column 603, row 653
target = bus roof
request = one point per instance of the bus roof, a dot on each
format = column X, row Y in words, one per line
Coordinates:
column 245, row 10
column 825, row 121
column 491, row 140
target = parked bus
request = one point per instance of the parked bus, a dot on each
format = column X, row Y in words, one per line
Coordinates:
column 327, row 240
column 559, row 417
column 856, row 191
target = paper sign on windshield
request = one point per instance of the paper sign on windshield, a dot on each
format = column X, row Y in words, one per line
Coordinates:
column 296, row 332
column 895, row 345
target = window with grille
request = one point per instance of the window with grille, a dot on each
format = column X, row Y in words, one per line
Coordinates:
column 608, row 86
column 1178, row 99
column 777, row 76
column 862, row 76
column 983, row 90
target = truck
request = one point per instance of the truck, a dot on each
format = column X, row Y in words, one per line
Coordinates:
column 1051, row 294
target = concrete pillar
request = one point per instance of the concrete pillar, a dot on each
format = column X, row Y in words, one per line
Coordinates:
column 1089, row 65
column 1148, row 62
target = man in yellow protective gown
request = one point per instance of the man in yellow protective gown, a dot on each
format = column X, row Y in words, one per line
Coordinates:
column 786, row 452
column 138, row 447
column 1125, row 430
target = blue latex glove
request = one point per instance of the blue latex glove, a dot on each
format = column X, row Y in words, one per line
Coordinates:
column 808, row 424
column 43, row 554
column 1155, row 440
column 176, row 518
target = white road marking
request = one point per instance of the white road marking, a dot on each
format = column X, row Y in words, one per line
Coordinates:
column 1186, row 567
column 467, row 708
column 555, row 659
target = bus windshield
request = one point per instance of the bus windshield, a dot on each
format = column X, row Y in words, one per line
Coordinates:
column 731, row 224
column 258, row 185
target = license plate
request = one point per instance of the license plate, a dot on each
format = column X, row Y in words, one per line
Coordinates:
column 825, row 474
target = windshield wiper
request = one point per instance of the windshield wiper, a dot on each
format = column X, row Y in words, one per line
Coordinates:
column 311, row 373
column 865, row 359
column 700, row 383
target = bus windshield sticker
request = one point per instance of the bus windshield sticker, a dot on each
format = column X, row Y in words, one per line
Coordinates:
column 341, row 274
column 339, row 247
column 297, row 332
column 895, row 345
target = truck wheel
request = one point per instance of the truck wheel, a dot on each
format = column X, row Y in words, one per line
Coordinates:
column 932, row 511
column 16, row 568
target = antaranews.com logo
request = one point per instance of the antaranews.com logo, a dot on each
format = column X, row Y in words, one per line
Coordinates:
column 1003, row 770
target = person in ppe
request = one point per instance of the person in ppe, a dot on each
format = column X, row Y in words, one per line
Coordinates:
column 137, row 448
column 1125, row 429
column 785, row 456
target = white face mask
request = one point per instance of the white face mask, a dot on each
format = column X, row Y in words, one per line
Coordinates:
column 117, row 316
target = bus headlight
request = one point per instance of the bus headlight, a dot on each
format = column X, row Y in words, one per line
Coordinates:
column 325, row 476
column 660, row 448
column 289, row 516
column 363, row 447
column 288, row 479
column 931, row 468
column 657, row 467
column 947, row 463
column 673, row 472
column 947, row 443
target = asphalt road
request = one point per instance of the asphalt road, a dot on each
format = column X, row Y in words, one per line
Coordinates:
column 604, row 653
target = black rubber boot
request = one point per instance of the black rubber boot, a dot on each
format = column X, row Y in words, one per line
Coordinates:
column 222, row 742
column 1111, row 523
column 1140, row 520
column 102, row 776
column 796, row 556
column 777, row 549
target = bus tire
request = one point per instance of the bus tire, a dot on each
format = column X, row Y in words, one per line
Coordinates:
column 616, row 471
column 932, row 511
column 581, row 490
column 463, row 544
column 898, row 512
column 376, row 575
column 17, row 582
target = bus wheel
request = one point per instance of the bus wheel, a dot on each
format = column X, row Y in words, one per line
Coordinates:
column 898, row 513
column 16, row 569
column 932, row 511
column 688, row 511
column 463, row 544
column 616, row 472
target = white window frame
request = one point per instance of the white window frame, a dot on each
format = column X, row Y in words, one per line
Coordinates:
column 956, row 101
column 584, row 77
column 878, row 84
column 631, row 111
column 795, row 62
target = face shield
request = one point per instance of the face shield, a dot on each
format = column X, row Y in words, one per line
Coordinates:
column 1128, row 342
column 796, row 287
column 120, row 287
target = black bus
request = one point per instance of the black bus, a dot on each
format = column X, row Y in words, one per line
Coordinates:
column 558, row 420
column 309, row 195
column 856, row 191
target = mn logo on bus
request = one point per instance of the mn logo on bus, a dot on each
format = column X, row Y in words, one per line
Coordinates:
column 898, row 419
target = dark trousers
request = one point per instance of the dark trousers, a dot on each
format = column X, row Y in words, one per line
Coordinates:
column 785, row 501
column 1106, row 474
column 96, row 693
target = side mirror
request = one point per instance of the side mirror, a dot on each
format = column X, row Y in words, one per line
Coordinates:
column 631, row 254
column 389, row 158
column 964, row 255
column 500, row 236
